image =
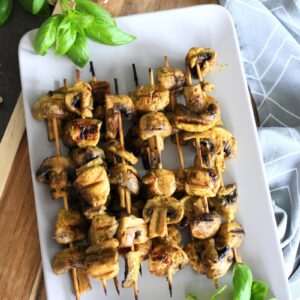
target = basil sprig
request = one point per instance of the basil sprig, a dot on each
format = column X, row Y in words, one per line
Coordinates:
column 244, row 287
column 68, row 31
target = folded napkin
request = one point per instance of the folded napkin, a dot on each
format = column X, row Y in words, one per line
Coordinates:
column 269, row 37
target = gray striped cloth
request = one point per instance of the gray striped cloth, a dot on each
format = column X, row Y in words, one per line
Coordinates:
column 269, row 36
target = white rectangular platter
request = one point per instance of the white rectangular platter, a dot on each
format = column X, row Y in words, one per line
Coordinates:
column 169, row 33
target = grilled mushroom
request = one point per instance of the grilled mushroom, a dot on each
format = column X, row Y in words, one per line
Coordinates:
column 125, row 176
column 205, row 57
column 79, row 99
column 68, row 258
column 69, row 227
column 103, row 228
column 150, row 98
column 81, row 156
column 202, row 182
column 101, row 261
column 92, row 182
column 82, row 133
column 160, row 211
column 154, row 124
column 132, row 266
column 131, row 231
column 160, row 182
column 171, row 79
column 231, row 234
column 225, row 202
column 115, row 104
column 59, row 173
column 208, row 117
column 114, row 147
column 99, row 90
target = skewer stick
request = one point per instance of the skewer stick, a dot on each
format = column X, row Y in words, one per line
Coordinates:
column 170, row 281
column 116, row 282
column 77, row 75
column 104, row 284
column 93, row 71
column 135, row 77
column 66, row 206
column 136, row 291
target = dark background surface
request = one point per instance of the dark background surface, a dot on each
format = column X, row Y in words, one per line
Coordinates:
column 11, row 32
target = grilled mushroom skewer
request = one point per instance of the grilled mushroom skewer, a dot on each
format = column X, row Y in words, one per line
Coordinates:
column 66, row 206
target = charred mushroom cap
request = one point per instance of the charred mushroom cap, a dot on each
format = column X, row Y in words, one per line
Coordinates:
column 51, row 106
column 99, row 90
column 160, row 211
column 202, row 182
column 231, row 234
column 173, row 237
column 192, row 251
column 206, row 225
column 58, row 172
column 205, row 57
column 154, row 123
column 79, row 99
column 120, row 103
column 82, row 133
column 84, row 155
column 194, row 98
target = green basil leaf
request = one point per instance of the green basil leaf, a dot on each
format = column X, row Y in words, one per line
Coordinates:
column 46, row 35
column 32, row 6
column 218, row 292
column 190, row 297
column 79, row 52
column 37, row 5
column 89, row 8
column 5, row 10
column 242, row 282
column 83, row 21
column 108, row 34
column 66, row 35
column 259, row 290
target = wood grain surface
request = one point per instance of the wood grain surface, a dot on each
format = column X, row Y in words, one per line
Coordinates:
column 20, row 260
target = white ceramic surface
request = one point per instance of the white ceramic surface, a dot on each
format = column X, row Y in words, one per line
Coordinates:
column 169, row 33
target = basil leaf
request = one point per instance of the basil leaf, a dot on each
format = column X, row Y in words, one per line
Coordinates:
column 89, row 8
column 66, row 35
column 5, row 10
column 190, row 297
column 32, row 6
column 79, row 52
column 108, row 34
column 218, row 293
column 37, row 5
column 83, row 21
column 242, row 282
column 259, row 290
column 46, row 35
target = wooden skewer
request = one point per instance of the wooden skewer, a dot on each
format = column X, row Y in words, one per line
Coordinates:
column 126, row 192
column 77, row 75
column 66, row 206
column 93, row 71
column 104, row 284
column 170, row 281
column 135, row 77
column 136, row 291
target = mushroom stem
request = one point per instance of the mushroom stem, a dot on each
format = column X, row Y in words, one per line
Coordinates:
column 135, row 77
column 116, row 282
column 199, row 154
column 159, row 165
column 170, row 281
column 104, row 284
column 188, row 77
column 236, row 256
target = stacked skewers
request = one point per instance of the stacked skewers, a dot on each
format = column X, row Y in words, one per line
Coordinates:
column 116, row 212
